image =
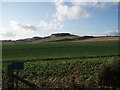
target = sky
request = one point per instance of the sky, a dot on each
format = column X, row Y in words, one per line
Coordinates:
column 28, row 19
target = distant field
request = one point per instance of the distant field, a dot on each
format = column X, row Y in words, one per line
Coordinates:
column 31, row 51
column 99, row 39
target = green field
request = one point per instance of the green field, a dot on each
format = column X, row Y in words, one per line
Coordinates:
column 31, row 51
column 60, row 73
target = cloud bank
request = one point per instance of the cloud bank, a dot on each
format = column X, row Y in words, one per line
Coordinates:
column 22, row 26
column 45, row 25
column 7, row 34
column 78, row 9
column 4, row 32
column 69, row 12
column 112, row 33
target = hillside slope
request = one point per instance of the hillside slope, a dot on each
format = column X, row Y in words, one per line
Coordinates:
column 99, row 39
column 62, row 37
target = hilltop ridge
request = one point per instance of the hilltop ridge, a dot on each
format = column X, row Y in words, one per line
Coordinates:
column 63, row 37
column 52, row 37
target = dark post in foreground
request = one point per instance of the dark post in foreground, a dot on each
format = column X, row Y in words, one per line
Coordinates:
column 10, row 83
column 12, row 77
column 14, row 66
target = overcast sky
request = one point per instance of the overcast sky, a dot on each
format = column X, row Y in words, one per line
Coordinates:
column 29, row 19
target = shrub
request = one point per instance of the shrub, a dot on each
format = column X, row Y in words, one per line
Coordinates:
column 109, row 74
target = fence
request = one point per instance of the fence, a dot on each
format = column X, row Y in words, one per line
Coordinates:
column 11, row 79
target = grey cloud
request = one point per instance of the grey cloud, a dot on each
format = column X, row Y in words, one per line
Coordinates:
column 22, row 26
column 7, row 34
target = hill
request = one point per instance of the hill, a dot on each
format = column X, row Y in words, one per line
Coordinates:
column 53, row 37
column 63, row 37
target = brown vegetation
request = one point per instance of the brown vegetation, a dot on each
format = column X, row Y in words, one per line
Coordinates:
column 99, row 39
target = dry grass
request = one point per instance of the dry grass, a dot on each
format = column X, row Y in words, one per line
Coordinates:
column 99, row 39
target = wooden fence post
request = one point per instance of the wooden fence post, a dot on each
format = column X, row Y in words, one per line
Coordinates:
column 11, row 76
column 10, row 83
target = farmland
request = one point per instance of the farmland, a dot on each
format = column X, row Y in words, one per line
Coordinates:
column 60, row 73
column 31, row 51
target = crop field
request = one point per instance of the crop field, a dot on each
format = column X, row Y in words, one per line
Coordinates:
column 32, row 51
column 60, row 73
